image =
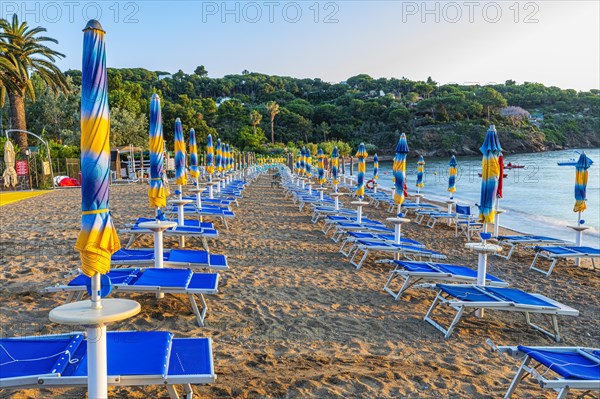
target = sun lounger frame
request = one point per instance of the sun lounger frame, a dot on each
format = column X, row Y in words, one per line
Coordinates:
column 411, row 278
column 460, row 306
column 77, row 292
column 560, row 385
column 513, row 244
column 542, row 252
column 55, row 380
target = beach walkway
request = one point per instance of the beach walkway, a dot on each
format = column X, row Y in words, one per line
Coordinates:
column 9, row 197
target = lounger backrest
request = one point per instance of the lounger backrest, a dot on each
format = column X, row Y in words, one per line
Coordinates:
column 463, row 210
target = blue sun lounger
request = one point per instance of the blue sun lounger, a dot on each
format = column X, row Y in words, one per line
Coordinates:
column 408, row 251
column 191, row 228
column 152, row 280
column 526, row 240
column 555, row 253
column 342, row 229
column 354, row 236
column 412, row 273
column 134, row 359
column 172, row 258
column 464, row 297
column 557, row 368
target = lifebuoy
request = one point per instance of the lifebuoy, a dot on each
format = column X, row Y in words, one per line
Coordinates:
column 370, row 184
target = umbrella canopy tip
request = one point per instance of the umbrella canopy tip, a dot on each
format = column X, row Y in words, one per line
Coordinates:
column 94, row 24
column 155, row 97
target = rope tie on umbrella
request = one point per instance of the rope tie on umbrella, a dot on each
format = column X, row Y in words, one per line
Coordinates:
column 95, row 211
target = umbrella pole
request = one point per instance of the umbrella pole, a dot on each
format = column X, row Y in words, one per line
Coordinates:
column 497, row 221
column 578, row 236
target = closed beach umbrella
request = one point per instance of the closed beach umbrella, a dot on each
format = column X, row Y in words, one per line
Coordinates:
column 375, row 167
column 10, row 174
column 453, row 171
column 399, row 171
column 581, row 179
column 97, row 240
column 303, row 161
column 490, row 172
column 321, row 167
column 210, row 156
column 194, row 171
column 308, row 163
column 219, row 161
column 335, row 166
column 157, row 193
column 420, row 174
column 180, row 172
column 361, row 154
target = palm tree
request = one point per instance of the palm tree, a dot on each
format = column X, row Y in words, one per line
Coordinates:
column 273, row 109
column 25, row 52
column 255, row 118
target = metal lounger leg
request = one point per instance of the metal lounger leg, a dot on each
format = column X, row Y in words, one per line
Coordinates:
column 199, row 314
column 224, row 220
column 347, row 253
column 563, row 393
column 172, row 392
column 537, row 269
column 521, row 373
column 406, row 285
column 189, row 393
column 362, row 260
column 429, row 319
column 131, row 240
column 205, row 244
column 510, row 252
column 554, row 324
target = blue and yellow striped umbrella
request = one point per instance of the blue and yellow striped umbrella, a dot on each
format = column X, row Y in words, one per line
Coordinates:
column 308, row 163
column 157, row 194
column 210, row 156
column 219, row 156
column 420, row 173
column 303, row 161
column 194, row 171
column 361, row 154
column 335, row 166
column 180, row 172
column 227, row 158
column 375, row 167
column 321, row 167
column 490, row 172
column 399, row 170
column 452, row 172
column 98, row 239
column 581, row 179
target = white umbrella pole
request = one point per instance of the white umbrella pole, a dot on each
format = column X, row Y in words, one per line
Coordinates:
column 578, row 236
column 97, row 363
column 198, row 196
column 210, row 187
column 96, row 348
column 497, row 221
column 482, row 269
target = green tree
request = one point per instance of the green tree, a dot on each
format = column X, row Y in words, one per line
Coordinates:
column 251, row 139
column 255, row 118
column 491, row 99
column 128, row 128
column 28, row 54
column 272, row 109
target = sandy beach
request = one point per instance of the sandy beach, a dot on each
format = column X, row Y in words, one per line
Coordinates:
column 293, row 319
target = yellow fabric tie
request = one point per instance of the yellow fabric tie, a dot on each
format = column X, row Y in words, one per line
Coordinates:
column 94, row 212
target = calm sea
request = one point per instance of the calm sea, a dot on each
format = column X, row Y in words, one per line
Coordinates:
column 538, row 199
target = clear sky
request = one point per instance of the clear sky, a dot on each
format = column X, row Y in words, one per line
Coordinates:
column 551, row 42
